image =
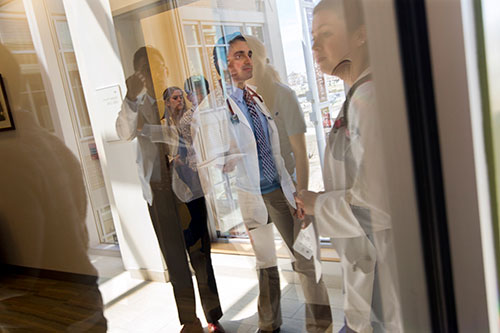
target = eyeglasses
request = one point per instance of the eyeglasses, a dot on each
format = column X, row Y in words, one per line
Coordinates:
column 176, row 97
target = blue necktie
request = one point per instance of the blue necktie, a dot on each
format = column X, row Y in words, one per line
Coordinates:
column 263, row 146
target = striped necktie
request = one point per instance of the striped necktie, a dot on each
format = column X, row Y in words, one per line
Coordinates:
column 263, row 147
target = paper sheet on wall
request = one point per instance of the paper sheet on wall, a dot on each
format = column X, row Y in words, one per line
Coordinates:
column 307, row 245
column 109, row 100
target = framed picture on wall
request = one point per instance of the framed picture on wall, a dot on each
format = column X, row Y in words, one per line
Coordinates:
column 6, row 120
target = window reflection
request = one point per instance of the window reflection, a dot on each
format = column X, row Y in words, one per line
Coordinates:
column 238, row 136
column 15, row 34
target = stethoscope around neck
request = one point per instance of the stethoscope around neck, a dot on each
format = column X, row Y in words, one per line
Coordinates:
column 234, row 117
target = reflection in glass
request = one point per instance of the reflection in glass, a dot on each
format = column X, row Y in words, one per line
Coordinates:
column 191, row 35
column 15, row 35
column 256, row 31
column 354, row 209
column 48, row 282
column 168, row 173
column 195, row 60
column 237, row 153
column 265, row 191
column 212, row 33
column 231, row 29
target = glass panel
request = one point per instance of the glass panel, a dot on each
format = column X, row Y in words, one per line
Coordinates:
column 28, row 60
column 231, row 29
column 260, row 5
column 16, row 36
column 212, row 33
column 35, row 82
column 88, row 150
column 79, row 100
column 64, row 35
column 195, row 61
column 82, row 112
column 276, row 166
column 45, row 231
column 243, row 5
column 256, row 31
column 285, row 152
column 191, row 34
column 42, row 110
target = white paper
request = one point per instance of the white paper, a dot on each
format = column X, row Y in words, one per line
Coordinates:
column 306, row 244
column 110, row 101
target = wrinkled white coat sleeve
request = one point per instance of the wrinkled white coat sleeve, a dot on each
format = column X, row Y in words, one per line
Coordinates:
column 333, row 208
column 126, row 123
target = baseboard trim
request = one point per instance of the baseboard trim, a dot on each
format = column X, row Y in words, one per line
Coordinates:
column 8, row 269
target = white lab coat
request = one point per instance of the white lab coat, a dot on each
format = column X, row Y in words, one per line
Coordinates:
column 218, row 141
column 244, row 146
column 135, row 120
column 141, row 120
column 354, row 212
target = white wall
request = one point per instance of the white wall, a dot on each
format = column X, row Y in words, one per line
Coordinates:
column 276, row 43
column 55, row 87
column 98, row 59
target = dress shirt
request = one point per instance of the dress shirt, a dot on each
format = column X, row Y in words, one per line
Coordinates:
column 265, row 185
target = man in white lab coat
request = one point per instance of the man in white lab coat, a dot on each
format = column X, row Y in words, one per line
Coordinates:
column 265, row 189
column 140, row 118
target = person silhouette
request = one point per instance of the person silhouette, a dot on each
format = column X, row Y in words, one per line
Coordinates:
column 353, row 210
column 141, row 118
column 43, row 234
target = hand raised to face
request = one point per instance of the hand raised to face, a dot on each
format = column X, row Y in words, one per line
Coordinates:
column 135, row 84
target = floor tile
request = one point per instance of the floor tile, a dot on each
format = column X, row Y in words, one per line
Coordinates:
column 140, row 306
column 289, row 307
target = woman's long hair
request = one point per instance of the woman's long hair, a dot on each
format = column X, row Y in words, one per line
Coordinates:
column 167, row 94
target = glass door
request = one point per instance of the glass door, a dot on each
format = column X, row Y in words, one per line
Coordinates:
column 373, row 185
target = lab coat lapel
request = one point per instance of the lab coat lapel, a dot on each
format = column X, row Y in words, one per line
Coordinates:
column 286, row 181
column 241, row 116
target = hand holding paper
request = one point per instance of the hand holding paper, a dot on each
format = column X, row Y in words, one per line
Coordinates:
column 306, row 245
column 307, row 200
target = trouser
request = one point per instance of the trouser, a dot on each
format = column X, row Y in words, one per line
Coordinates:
column 166, row 223
column 317, row 310
column 197, row 227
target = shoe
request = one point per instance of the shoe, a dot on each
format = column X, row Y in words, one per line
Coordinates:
column 263, row 331
column 215, row 328
column 194, row 327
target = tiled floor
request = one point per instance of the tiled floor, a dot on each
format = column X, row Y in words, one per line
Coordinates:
column 140, row 306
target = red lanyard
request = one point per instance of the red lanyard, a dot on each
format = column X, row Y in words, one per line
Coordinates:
column 234, row 116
